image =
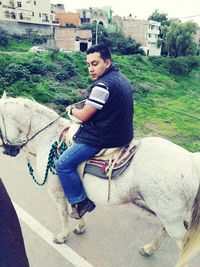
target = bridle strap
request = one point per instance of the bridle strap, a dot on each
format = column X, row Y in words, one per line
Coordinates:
column 6, row 142
column 44, row 128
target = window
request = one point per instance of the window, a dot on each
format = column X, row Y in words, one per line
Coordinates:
column 32, row 14
column 21, row 16
column 40, row 15
column 7, row 14
column 0, row 3
column 19, row 4
column 35, row 3
column 13, row 15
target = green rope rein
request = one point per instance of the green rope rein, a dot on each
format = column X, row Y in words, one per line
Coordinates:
column 53, row 156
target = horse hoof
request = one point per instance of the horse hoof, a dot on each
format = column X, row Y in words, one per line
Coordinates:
column 57, row 241
column 143, row 252
column 60, row 238
column 79, row 231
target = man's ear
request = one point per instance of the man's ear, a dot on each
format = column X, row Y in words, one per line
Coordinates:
column 108, row 63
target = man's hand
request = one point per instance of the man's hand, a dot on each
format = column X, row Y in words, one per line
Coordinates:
column 69, row 108
column 83, row 114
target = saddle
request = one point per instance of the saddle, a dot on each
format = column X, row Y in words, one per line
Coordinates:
column 109, row 163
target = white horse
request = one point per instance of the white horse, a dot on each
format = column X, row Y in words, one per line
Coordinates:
column 162, row 175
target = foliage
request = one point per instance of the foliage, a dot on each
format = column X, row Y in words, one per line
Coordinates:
column 160, row 17
column 14, row 72
column 36, row 65
column 180, row 38
column 36, row 38
column 85, row 26
column 66, row 96
column 166, row 89
column 120, row 44
column 67, row 71
column 70, row 25
column 20, row 42
column 4, row 40
column 182, row 65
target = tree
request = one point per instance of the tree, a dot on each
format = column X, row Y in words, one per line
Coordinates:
column 180, row 38
column 160, row 17
column 70, row 25
column 118, row 43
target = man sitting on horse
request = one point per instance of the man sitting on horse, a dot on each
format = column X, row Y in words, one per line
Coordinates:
column 107, row 122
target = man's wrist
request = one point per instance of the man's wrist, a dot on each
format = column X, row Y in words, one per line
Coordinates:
column 71, row 109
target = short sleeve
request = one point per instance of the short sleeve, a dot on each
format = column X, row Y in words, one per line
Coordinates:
column 98, row 96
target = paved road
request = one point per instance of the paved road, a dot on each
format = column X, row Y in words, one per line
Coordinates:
column 113, row 233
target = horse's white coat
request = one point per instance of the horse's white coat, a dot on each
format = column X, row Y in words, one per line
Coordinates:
column 162, row 174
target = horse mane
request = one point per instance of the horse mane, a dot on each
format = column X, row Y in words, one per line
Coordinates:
column 42, row 109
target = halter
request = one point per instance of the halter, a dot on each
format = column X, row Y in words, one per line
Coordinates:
column 7, row 143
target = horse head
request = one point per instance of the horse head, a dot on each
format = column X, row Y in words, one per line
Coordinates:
column 14, row 125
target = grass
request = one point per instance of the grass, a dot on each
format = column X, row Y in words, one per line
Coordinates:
column 172, row 112
column 166, row 105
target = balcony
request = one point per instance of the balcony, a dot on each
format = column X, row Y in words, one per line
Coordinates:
column 45, row 20
column 10, row 7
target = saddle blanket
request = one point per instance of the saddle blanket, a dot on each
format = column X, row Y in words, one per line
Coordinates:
column 112, row 165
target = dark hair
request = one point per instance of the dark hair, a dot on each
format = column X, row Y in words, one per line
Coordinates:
column 102, row 49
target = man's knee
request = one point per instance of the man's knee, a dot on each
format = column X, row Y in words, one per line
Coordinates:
column 60, row 167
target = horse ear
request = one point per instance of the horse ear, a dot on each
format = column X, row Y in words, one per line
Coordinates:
column 4, row 96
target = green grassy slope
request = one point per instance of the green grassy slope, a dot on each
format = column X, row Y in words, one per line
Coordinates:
column 165, row 104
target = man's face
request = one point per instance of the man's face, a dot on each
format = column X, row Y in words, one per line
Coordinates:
column 96, row 65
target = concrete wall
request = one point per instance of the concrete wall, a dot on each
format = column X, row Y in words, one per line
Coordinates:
column 22, row 28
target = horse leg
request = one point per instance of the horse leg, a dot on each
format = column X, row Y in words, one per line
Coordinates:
column 57, row 194
column 177, row 231
column 148, row 249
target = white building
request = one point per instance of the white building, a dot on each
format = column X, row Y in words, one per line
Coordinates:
column 18, row 14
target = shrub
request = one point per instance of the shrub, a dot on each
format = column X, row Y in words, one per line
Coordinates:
column 66, row 96
column 14, row 72
column 41, row 92
column 182, row 65
column 66, row 72
column 3, row 84
column 140, row 89
column 4, row 40
column 36, row 65
column 37, row 39
column 159, row 62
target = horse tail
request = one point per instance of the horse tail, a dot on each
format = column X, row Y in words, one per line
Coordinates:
column 191, row 241
column 196, row 159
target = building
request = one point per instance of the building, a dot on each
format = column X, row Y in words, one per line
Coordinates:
column 145, row 32
column 67, row 18
column 20, row 16
column 72, row 39
column 93, row 14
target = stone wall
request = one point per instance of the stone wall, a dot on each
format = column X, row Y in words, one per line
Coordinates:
column 14, row 27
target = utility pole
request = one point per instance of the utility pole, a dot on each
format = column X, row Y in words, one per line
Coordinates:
column 97, row 23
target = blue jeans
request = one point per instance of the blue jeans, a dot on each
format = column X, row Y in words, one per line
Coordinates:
column 66, row 170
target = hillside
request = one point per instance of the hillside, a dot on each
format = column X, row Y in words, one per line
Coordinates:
column 167, row 91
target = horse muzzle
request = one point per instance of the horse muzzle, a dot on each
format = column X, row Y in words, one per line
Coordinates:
column 11, row 150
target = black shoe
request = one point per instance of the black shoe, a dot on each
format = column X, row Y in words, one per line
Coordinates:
column 79, row 209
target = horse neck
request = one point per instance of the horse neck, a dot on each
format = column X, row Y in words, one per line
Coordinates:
column 48, row 135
